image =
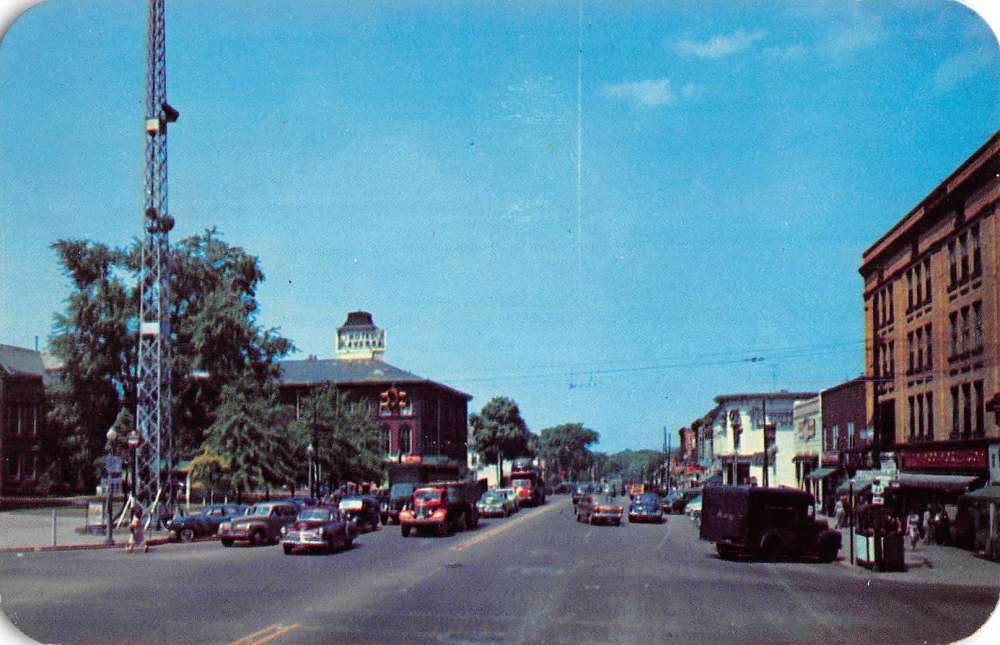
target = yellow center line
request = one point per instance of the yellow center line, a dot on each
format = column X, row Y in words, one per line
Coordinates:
column 276, row 634
column 486, row 535
column 249, row 637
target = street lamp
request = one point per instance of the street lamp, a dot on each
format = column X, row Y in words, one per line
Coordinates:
column 309, row 453
column 112, row 436
column 133, row 443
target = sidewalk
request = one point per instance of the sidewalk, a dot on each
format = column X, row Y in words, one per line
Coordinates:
column 31, row 530
column 928, row 564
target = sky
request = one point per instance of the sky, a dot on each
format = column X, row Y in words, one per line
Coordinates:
column 610, row 214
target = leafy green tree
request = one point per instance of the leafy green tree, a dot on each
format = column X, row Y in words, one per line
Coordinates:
column 347, row 443
column 499, row 432
column 566, row 448
column 209, row 470
column 213, row 317
column 247, row 435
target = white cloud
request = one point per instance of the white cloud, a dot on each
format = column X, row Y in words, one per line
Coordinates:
column 861, row 33
column 960, row 67
column 719, row 46
column 650, row 93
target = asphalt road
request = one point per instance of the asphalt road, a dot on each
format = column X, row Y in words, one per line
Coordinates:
column 538, row 577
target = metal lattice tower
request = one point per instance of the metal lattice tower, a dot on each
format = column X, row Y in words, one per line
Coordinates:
column 153, row 414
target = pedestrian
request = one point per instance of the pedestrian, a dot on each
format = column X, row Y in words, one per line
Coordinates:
column 925, row 525
column 839, row 512
column 135, row 538
column 913, row 529
column 944, row 527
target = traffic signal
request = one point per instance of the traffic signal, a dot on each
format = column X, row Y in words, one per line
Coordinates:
column 402, row 402
column 383, row 404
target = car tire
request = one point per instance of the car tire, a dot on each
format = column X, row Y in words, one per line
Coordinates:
column 405, row 531
column 186, row 535
column 287, row 549
column 258, row 538
column 227, row 542
column 771, row 548
column 443, row 529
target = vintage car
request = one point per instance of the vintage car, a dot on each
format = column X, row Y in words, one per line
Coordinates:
column 260, row 525
column 493, row 504
column 646, row 507
column 185, row 528
column 583, row 488
column 513, row 501
column 599, row 508
column 362, row 511
column 318, row 527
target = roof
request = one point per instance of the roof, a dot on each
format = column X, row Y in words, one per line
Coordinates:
column 358, row 371
column 19, row 360
column 359, row 320
column 770, row 396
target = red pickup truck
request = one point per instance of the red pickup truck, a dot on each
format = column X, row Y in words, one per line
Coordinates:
column 442, row 507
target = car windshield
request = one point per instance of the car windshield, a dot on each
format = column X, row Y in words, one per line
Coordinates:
column 352, row 504
column 314, row 514
column 259, row 510
column 427, row 495
column 491, row 497
column 604, row 499
column 521, row 482
column 647, row 498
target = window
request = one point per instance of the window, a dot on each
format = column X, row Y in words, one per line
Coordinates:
column 927, row 280
column 966, row 409
column 913, row 421
column 953, row 320
column 977, row 325
column 909, row 289
column 386, row 440
column 963, row 242
column 920, row 416
column 850, row 434
column 920, row 349
column 980, row 409
column 909, row 345
column 952, row 264
column 930, row 346
column 876, row 319
column 835, row 438
column 405, row 440
column 954, row 411
column 965, row 330
column 920, row 289
column 930, row 415
column 892, row 358
column 977, row 265
column 888, row 296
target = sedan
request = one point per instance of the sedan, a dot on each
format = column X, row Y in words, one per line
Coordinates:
column 513, row 501
column 646, row 507
column 599, row 508
column 318, row 527
column 188, row 527
column 363, row 511
column 493, row 504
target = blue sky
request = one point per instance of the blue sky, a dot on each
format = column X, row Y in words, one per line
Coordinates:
column 420, row 161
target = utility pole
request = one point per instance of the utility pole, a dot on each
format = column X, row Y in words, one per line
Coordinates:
column 153, row 410
column 763, row 425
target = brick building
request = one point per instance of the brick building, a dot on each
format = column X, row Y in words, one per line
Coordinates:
column 22, row 418
column 931, row 311
column 434, row 420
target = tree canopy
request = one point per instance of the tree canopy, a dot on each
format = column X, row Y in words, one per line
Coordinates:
column 566, row 448
column 213, row 318
column 499, row 432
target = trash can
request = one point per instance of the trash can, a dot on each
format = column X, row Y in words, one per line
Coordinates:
column 892, row 553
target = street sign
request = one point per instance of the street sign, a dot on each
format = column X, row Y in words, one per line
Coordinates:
column 113, row 464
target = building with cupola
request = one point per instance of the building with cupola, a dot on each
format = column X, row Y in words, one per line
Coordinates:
column 425, row 418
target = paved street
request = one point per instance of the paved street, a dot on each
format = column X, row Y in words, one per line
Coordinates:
column 536, row 577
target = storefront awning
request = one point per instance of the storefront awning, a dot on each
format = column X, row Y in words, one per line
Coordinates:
column 860, row 485
column 821, row 473
column 951, row 483
column 989, row 493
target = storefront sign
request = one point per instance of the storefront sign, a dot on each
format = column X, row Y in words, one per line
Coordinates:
column 962, row 458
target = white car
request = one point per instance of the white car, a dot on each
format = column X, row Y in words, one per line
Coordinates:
column 513, row 502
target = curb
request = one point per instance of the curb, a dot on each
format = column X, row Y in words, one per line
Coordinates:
column 92, row 547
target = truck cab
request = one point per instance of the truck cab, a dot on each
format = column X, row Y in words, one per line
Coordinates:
column 442, row 507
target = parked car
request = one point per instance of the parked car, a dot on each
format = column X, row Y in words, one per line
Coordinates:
column 680, row 503
column 260, row 525
column 493, row 504
column 185, row 528
column 646, row 507
column 361, row 510
column 599, row 508
column 513, row 501
column 318, row 527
